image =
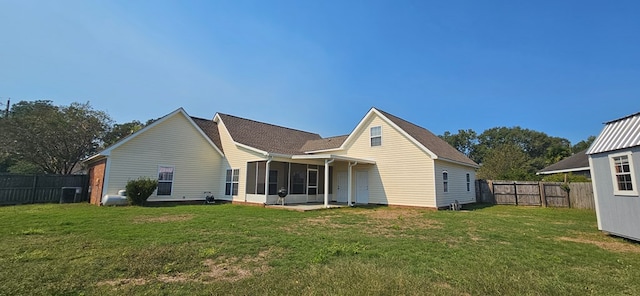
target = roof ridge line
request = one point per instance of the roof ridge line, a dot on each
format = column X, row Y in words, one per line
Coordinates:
column 270, row 124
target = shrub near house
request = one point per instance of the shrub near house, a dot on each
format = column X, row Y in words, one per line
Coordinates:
column 140, row 189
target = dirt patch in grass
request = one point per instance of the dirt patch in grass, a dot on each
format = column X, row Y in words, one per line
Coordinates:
column 233, row 269
column 392, row 213
column 163, row 218
column 324, row 221
column 123, row 282
column 609, row 245
column 228, row 269
column 393, row 222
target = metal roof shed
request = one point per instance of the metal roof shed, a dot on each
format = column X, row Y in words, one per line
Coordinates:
column 614, row 158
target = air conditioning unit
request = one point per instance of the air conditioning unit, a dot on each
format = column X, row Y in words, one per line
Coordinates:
column 70, row 194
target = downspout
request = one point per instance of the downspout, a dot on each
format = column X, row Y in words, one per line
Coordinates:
column 349, row 181
column 105, row 178
column 326, row 181
column 266, row 179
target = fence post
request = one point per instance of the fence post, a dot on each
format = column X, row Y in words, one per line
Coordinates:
column 515, row 191
column 491, row 191
column 33, row 188
column 543, row 196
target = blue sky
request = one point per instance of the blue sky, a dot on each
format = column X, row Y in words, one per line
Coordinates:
column 559, row 67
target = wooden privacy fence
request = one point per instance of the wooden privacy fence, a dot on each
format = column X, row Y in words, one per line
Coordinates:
column 24, row 189
column 531, row 193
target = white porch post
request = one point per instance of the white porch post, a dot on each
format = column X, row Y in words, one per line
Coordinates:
column 349, row 182
column 326, row 182
column 266, row 180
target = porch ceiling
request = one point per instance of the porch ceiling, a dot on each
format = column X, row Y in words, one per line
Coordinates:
column 335, row 157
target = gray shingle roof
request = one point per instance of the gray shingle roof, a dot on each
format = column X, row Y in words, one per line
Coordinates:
column 432, row 142
column 267, row 137
column 574, row 162
column 618, row 134
column 210, row 128
column 324, row 144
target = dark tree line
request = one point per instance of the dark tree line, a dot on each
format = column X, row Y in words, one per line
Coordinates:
column 512, row 153
column 39, row 137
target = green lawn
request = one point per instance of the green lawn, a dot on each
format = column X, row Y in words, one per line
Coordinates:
column 242, row 250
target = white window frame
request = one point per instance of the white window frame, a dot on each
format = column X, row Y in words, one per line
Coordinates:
column 445, row 181
column 372, row 136
column 235, row 180
column 634, row 185
column 173, row 173
column 468, row 182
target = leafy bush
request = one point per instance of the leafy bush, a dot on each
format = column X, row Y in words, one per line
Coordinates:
column 140, row 189
column 570, row 178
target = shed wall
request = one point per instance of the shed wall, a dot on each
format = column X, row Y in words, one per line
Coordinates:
column 619, row 215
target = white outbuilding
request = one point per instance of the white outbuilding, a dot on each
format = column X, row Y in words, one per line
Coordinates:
column 614, row 159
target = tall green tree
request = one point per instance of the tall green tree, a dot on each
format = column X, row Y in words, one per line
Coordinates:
column 583, row 145
column 121, row 131
column 506, row 162
column 540, row 149
column 464, row 141
column 52, row 138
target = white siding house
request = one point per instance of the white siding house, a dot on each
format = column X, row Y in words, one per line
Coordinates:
column 614, row 158
column 384, row 160
column 174, row 147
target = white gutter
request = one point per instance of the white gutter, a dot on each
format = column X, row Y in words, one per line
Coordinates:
column 563, row 171
column 326, row 181
column 349, row 186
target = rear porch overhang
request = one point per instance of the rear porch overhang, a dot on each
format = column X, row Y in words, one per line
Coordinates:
column 332, row 157
column 323, row 161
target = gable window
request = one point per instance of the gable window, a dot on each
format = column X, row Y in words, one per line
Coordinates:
column 445, row 181
column 376, row 136
column 468, row 182
column 231, row 183
column 165, row 180
column 623, row 176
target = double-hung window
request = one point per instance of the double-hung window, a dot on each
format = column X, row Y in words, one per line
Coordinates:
column 468, row 182
column 376, row 136
column 445, row 181
column 623, row 175
column 231, row 182
column 165, row 180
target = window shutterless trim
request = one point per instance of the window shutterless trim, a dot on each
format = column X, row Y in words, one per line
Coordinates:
column 231, row 184
column 631, row 173
column 165, row 176
column 375, row 138
column 445, row 181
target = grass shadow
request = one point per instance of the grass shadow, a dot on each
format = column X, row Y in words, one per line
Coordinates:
column 477, row 206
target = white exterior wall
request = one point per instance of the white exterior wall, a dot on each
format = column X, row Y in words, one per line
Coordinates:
column 174, row 142
column 457, row 184
column 236, row 158
column 403, row 173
